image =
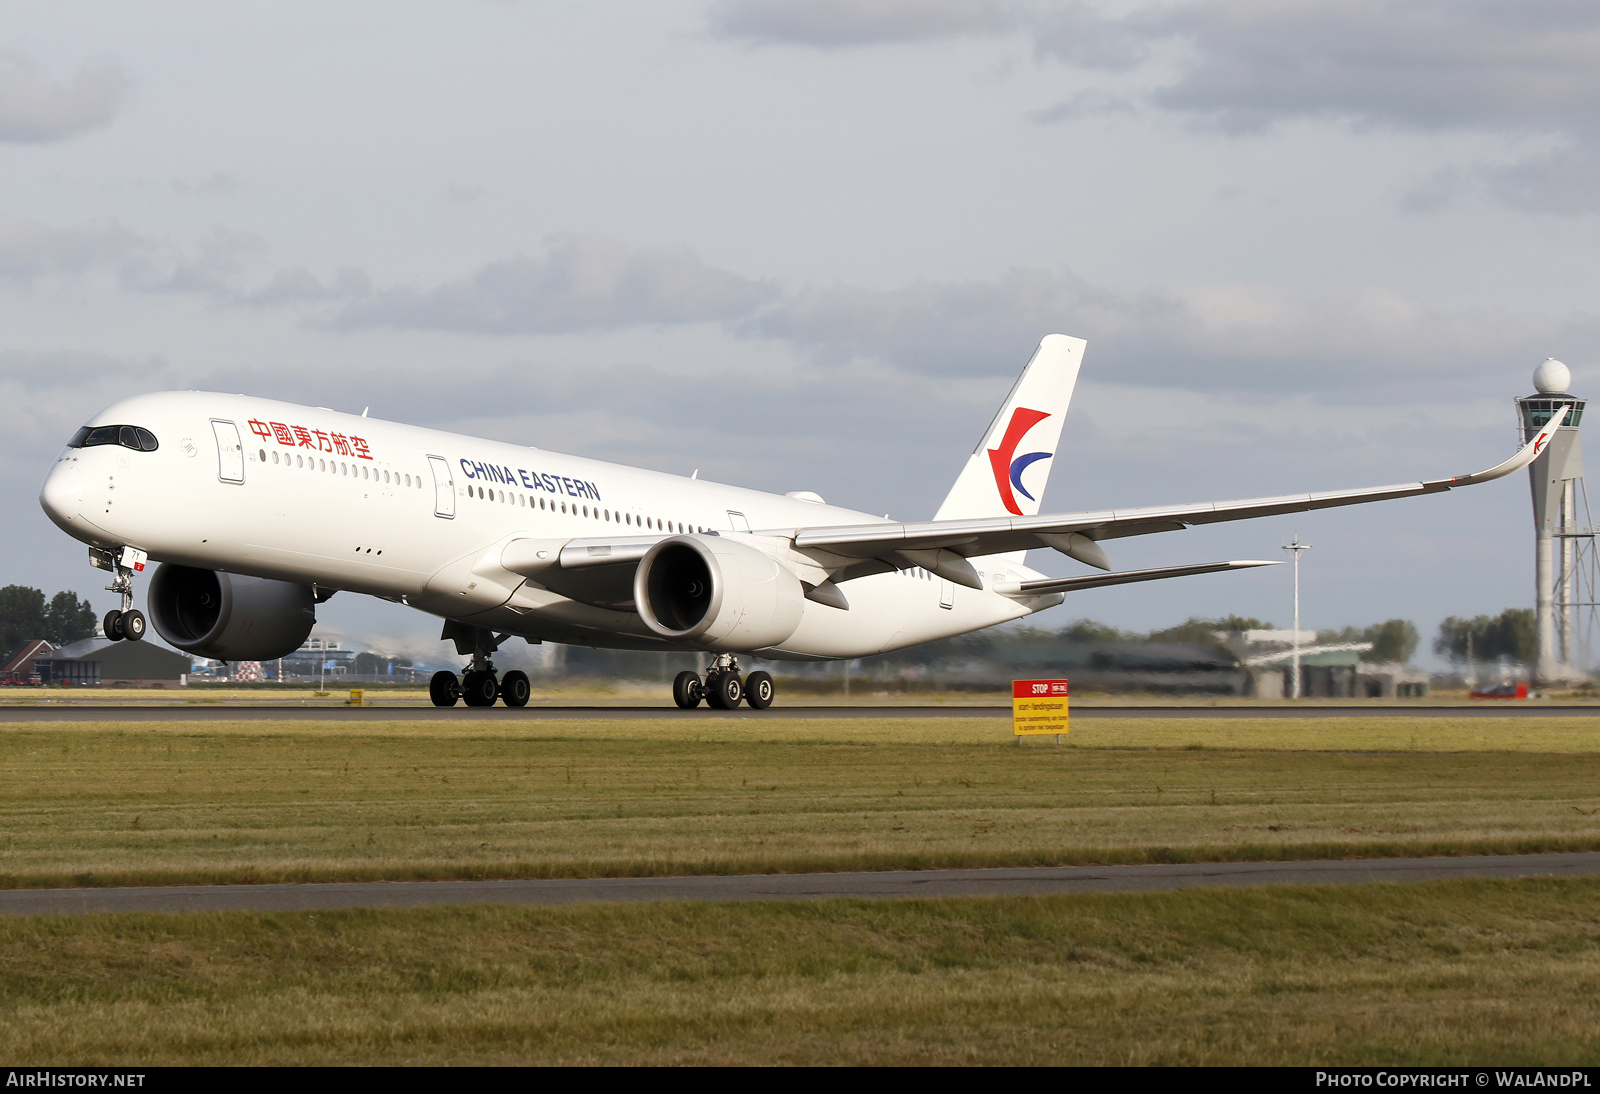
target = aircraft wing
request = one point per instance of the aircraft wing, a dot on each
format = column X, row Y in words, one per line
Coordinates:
column 943, row 546
column 600, row 570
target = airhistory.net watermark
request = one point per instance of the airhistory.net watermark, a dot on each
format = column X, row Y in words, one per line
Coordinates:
column 51, row 1078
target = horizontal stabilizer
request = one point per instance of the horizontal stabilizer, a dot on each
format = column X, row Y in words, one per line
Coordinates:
column 1126, row 577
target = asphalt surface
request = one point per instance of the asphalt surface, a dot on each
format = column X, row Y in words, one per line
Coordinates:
column 885, row 885
column 269, row 712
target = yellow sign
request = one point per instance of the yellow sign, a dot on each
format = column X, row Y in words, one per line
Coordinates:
column 1038, row 706
column 357, row 697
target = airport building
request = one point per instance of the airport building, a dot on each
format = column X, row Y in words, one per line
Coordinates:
column 99, row 662
column 1329, row 670
column 317, row 657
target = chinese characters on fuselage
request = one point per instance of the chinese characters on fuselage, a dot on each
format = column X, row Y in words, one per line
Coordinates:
column 298, row 436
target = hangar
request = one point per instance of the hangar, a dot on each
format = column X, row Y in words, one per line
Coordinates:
column 98, row 661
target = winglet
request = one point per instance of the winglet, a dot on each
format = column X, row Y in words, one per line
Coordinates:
column 1526, row 455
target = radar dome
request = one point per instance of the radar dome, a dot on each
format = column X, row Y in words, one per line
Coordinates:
column 1552, row 377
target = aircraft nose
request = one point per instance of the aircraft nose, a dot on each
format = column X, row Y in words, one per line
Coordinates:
column 62, row 495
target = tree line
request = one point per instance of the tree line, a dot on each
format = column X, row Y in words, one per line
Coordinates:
column 1509, row 636
column 26, row 616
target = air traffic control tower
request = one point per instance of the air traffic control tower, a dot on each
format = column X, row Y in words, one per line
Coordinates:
column 1557, row 478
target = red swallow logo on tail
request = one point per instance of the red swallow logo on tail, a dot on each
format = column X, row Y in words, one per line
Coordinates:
column 1008, row 467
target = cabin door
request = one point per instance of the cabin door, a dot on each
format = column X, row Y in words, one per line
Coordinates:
column 444, row 488
column 230, row 453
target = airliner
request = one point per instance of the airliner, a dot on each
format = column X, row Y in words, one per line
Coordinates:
column 255, row 511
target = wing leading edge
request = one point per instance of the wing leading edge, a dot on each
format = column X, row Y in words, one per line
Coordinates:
column 996, row 535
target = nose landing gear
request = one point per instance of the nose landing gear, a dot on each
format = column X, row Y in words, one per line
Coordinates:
column 125, row 622
column 722, row 688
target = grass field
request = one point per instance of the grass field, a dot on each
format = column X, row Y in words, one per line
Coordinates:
column 164, row 803
column 1463, row 972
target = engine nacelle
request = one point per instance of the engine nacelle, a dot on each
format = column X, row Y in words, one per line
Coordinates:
column 229, row 617
column 716, row 594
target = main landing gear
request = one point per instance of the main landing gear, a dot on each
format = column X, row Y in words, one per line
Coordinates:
column 722, row 689
column 124, row 622
column 478, row 686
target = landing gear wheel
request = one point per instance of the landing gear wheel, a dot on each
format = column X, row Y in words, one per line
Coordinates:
column 723, row 691
column 132, row 625
column 112, row 625
column 444, row 689
column 759, row 690
column 687, row 691
column 479, row 689
column 515, row 689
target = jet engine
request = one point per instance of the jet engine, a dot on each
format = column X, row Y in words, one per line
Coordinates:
column 716, row 594
column 229, row 617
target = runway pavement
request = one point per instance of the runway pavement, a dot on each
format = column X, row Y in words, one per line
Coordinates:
column 380, row 711
column 886, row 885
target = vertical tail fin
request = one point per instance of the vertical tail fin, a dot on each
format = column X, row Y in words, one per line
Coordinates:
column 1007, row 472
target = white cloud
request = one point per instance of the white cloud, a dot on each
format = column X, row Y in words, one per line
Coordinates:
column 577, row 283
column 1363, row 346
column 1426, row 64
column 34, row 110
column 833, row 23
column 300, row 286
column 216, row 265
column 218, row 184
column 1524, row 70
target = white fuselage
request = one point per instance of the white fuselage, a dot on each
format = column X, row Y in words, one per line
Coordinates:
column 419, row 516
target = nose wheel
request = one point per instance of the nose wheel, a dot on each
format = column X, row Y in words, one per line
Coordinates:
column 118, row 625
column 124, row 622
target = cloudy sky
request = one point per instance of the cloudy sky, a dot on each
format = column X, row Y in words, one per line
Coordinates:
column 807, row 245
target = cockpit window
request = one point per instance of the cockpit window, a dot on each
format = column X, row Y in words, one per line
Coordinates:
column 128, row 436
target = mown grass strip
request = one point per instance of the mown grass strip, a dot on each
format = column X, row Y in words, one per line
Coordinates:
column 86, row 805
column 1467, row 972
